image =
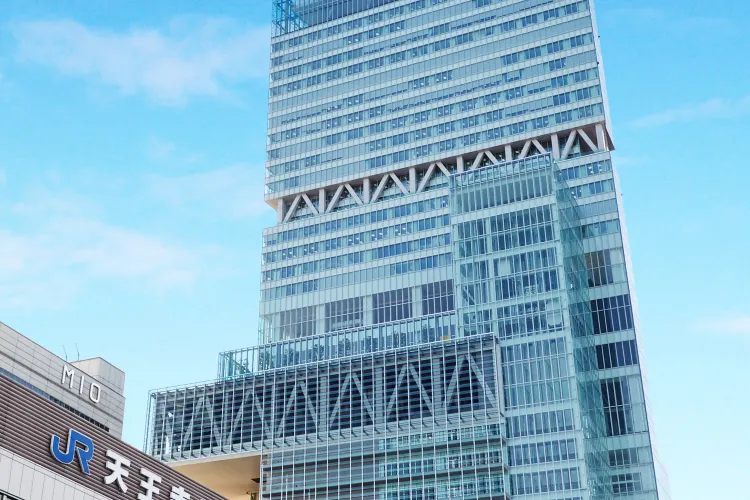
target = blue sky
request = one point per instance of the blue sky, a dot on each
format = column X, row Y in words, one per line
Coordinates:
column 132, row 142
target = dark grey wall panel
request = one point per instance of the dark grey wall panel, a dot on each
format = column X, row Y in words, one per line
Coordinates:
column 27, row 423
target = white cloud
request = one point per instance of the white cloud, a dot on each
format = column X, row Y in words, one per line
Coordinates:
column 43, row 202
column 234, row 191
column 732, row 325
column 191, row 57
column 49, row 292
column 112, row 251
column 56, row 244
column 714, row 108
column 91, row 249
column 60, row 238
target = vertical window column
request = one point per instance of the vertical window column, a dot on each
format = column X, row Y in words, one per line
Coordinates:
column 343, row 314
column 390, row 306
column 437, row 297
column 297, row 323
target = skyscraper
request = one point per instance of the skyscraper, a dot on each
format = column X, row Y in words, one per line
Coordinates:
column 447, row 304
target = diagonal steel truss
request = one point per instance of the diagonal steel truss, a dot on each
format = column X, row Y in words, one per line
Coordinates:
column 262, row 408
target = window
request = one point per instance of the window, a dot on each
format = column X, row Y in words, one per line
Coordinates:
column 477, row 322
column 391, row 306
column 471, row 229
column 7, row 496
column 600, row 228
column 530, row 318
column 540, row 423
column 624, row 457
column 515, row 278
column 343, row 314
column 474, row 271
column 297, row 323
column 592, row 189
column 59, row 403
column 625, row 484
column 598, row 208
column 612, row 314
column 618, row 412
column 474, row 294
column 545, row 481
column 507, row 229
column 617, row 354
column 604, row 267
column 532, row 394
column 437, row 297
column 533, row 350
column 391, row 470
column 542, row 452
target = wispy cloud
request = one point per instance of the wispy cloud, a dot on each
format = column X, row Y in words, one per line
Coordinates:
column 119, row 252
column 190, row 57
column 50, row 198
column 731, row 325
column 51, row 292
column 35, row 262
column 56, row 244
column 713, row 108
column 231, row 192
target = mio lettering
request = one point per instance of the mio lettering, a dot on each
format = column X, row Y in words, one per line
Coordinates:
column 68, row 378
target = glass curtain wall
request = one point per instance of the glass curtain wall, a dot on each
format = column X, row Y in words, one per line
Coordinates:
column 447, row 306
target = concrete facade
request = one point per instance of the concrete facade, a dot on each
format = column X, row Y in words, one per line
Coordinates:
column 93, row 388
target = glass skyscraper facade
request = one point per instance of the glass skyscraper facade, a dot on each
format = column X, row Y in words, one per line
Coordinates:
column 447, row 304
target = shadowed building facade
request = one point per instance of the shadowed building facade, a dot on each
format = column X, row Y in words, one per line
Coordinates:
column 60, row 428
column 447, row 307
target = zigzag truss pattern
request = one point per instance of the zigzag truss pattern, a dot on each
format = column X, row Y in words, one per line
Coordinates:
column 219, row 417
column 361, row 191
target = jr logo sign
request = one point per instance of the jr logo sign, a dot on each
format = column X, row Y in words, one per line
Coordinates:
column 78, row 444
column 151, row 485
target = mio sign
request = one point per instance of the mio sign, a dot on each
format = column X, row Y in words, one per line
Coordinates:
column 69, row 377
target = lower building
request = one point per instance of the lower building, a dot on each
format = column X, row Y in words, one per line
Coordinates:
column 91, row 389
column 493, row 391
column 57, row 444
